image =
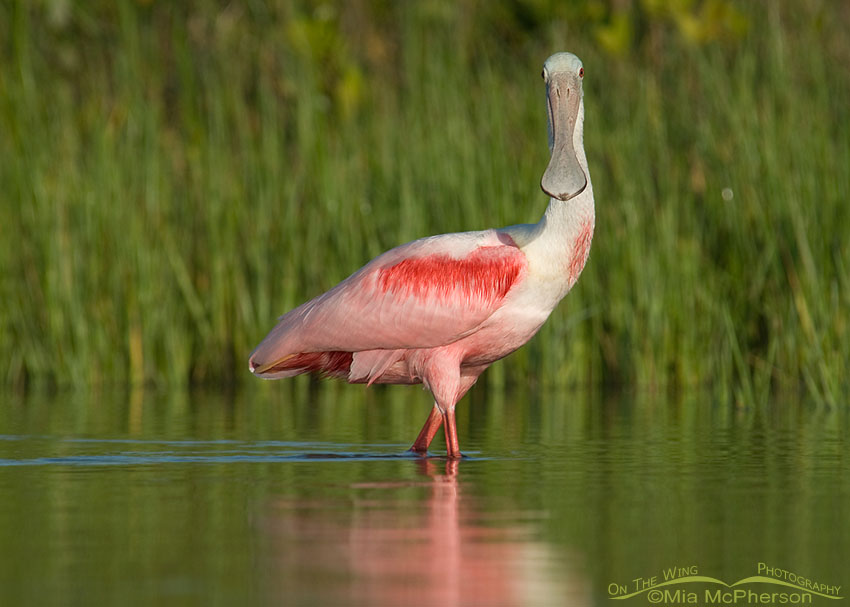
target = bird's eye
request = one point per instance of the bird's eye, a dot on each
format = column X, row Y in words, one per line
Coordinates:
column 543, row 74
column 581, row 72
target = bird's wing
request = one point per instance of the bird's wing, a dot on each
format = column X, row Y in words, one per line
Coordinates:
column 423, row 294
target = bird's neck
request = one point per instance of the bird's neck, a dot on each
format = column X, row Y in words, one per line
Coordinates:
column 562, row 217
column 553, row 239
column 558, row 245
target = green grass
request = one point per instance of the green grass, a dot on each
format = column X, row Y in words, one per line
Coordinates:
column 173, row 179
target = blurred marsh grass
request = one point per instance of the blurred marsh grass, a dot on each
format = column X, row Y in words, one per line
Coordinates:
column 174, row 178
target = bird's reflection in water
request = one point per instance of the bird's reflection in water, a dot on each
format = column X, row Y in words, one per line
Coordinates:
column 414, row 543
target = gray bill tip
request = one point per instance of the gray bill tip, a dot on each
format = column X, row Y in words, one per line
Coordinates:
column 564, row 177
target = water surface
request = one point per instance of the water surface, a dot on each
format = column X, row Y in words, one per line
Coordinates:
column 303, row 494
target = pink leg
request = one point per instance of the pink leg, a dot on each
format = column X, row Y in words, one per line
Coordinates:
column 429, row 430
column 448, row 387
column 452, row 445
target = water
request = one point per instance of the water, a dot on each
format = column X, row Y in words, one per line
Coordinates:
column 301, row 494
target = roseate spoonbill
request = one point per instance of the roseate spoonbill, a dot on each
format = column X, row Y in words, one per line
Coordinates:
column 440, row 310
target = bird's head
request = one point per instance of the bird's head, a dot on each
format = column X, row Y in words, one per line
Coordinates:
column 564, row 177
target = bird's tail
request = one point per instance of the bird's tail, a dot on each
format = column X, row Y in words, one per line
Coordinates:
column 331, row 364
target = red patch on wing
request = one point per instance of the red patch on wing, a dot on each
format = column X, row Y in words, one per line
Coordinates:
column 581, row 249
column 486, row 274
column 328, row 363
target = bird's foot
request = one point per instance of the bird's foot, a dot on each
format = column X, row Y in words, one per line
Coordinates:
column 418, row 451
